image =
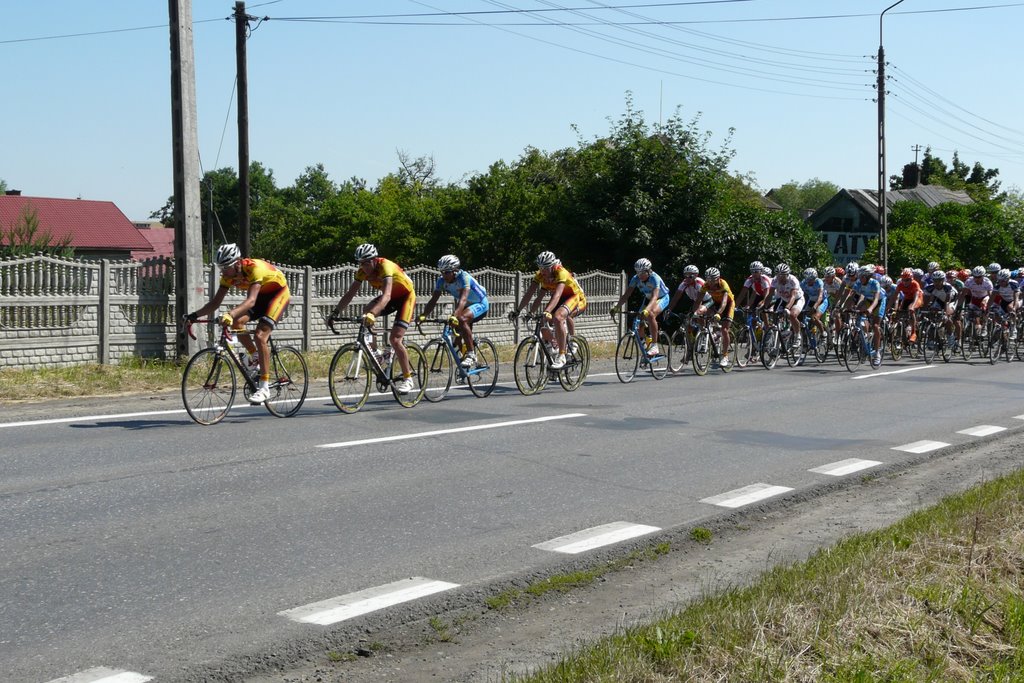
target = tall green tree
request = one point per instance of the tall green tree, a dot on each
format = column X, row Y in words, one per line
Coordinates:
column 24, row 237
column 978, row 182
column 810, row 194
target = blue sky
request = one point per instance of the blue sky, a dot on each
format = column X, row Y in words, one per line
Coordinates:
column 89, row 115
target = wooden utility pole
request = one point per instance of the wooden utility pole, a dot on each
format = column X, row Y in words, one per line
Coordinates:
column 241, row 29
column 883, row 214
column 188, row 240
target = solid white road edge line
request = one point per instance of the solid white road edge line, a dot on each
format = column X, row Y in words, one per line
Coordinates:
column 746, row 495
column 344, row 607
column 101, row 674
column 894, row 372
column 595, row 537
column 982, row 430
column 920, row 446
column 454, row 430
column 844, row 467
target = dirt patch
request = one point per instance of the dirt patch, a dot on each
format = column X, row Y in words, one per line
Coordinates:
column 464, row 641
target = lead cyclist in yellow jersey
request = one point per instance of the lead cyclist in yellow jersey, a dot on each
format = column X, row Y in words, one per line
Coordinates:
column 267, row 296
column 567, row 300
column 397, row 296
column 724, row 304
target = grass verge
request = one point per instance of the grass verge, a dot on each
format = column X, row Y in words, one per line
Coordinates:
column 938, row 596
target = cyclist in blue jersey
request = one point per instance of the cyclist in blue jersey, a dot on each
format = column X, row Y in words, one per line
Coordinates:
column 655, row 292
column 470, row 301
column 816, row 297
column 871, row 300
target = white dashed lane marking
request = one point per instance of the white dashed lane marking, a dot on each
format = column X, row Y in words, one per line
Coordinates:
column 844, row 467
column 101, row 674
column 595, row 537
column 344, row 607
column 746, row 495
column 982, row 430
column 920, row 446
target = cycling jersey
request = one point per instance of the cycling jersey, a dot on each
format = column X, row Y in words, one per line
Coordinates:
column 868, row 290
column 401, row 285
column 833, row 288
column 654, row 282
column 695, row 290
column 250, row 271
column 463, row 280
column 1006, row 292
column 760, row 283
column 720, row 292
column 940, row 295
column 786, row 285
column 910, row 290
column 573, row 297
column 978, row 290
column 891, row 292
column 812, row 289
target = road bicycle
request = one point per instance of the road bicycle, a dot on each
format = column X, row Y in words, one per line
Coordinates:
column 974, row 339
column 443, row 356
column 210, row 381
column 359, row 364
column 859, row 347
column 933, row 337
column 533, row 358
column 776, row 341
column 707, row 345
column 896, row 336
column 748, row 337
column 632, row 353
column 680, row 340
column 999, row 343
column 813, row 339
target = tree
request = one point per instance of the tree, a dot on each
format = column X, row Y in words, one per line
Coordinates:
column 978, row 182
column 24, row 237
column 810, row 194
column 3, row 185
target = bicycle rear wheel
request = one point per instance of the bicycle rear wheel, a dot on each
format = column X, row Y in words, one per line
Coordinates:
column 440, row 370
column 627, row 358
column 929, row 342
column 741, row 347
column 659, row 364
column 289, row 382
column 418, row 367
column 995, row 347
column 530, row 367
column 896, row 337
column 770, row 348
column 484, row 375
column 348, row 378
column 679, row 351
column 702, row 352
column 208, row 387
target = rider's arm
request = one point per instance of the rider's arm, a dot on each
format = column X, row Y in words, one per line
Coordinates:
column 430, row 304
column 347, row 297
column 530, row 291
column 460, row 303
column 625, row 296
column 384, row 298
column 556, row 296
column 250, row 301
column 214, row 303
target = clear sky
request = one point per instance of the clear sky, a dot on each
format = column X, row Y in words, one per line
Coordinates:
column 89, row 115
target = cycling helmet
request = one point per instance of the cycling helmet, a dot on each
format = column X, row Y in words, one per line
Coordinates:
column 810, row 274
column 886, row 281
column 932, row 265
column 767, row 272
column 963, row 274
column 546, row 259
column 840, row 272
column 691, row 271
column 782, row 269
column 642, row 264
column 978, row 271
column 829, row 270
column 756, row 266
column 939, row 275
column 879, row 270
column 712, row 273
column 1003, row 274
column 950, row 274
column 907, row 274
column 852, row 267
column 449, row 262
column 227, row 255
column 365, row 252
column 866, row 270
column 918, row 273
column 994, row 267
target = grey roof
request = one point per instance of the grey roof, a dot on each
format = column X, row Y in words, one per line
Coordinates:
column 929, row 195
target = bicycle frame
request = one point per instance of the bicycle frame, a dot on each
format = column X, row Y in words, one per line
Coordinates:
column 447, row 337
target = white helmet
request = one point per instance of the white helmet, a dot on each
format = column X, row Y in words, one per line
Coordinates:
column 756, row 266
column 448, row 262
column 830, row 270
column 642, row 264
column 977, row 271
column 994, row 267
column 886, row 281
column 852, row 267
column 782, row 269
column 227, row 255
column 691, row 271
column 712, row 272
column 810, row 274
column 938, row 275
column 866, row 269
column 364, row 252
column 932, row 265
column 766, row 271
column 1003, row 274
column 546, row 259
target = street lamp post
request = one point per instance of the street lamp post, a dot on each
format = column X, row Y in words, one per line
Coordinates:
column 883, row 217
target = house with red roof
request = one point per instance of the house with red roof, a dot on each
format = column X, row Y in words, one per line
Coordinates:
column 97, row 229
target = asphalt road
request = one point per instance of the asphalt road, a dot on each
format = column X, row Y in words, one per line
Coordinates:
column 136, row 541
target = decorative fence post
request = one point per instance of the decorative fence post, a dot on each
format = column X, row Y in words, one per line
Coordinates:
column 103, row 313
column 307, row 309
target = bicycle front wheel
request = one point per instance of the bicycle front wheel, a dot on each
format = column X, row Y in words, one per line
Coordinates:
column 896, row 337
column 577, row 364
column 531, row 367
column 348, row 378
column 289, row 382
column 702, row 353
column 659, row 364
column 679, row 351
column 995, row 347
column 929, row 342
column 627, row 358
column 440, row 370
column 208, row 387
column 418, row 366
column 770, row 348
column 484, row 375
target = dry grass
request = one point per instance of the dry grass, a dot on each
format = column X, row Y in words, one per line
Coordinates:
column 937, row 597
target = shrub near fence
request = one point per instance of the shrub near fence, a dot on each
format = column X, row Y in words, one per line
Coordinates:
column 67, row 312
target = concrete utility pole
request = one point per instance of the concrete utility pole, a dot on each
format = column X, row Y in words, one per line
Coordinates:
column 883, row 215
column 241, row 29
column 188, row 240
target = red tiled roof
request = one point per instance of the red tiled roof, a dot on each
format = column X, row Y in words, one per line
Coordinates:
column 91, row 224
column 160, row 239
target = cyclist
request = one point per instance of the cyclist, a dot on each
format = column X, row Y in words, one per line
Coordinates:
column 790, row 298
column 941, row 295
column 929, row 271
column 815, row 296
column 266, row 297
column 724, row 303
column 871, row 300
column 1006, row 294
column 910, row 296
column 993, row 269
column 566, row 302
column 977, row 291
column 471, row 302
column 397, row 295
column 754, row 292
column 655, row 290
column 834, row 290
column 691, row 287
